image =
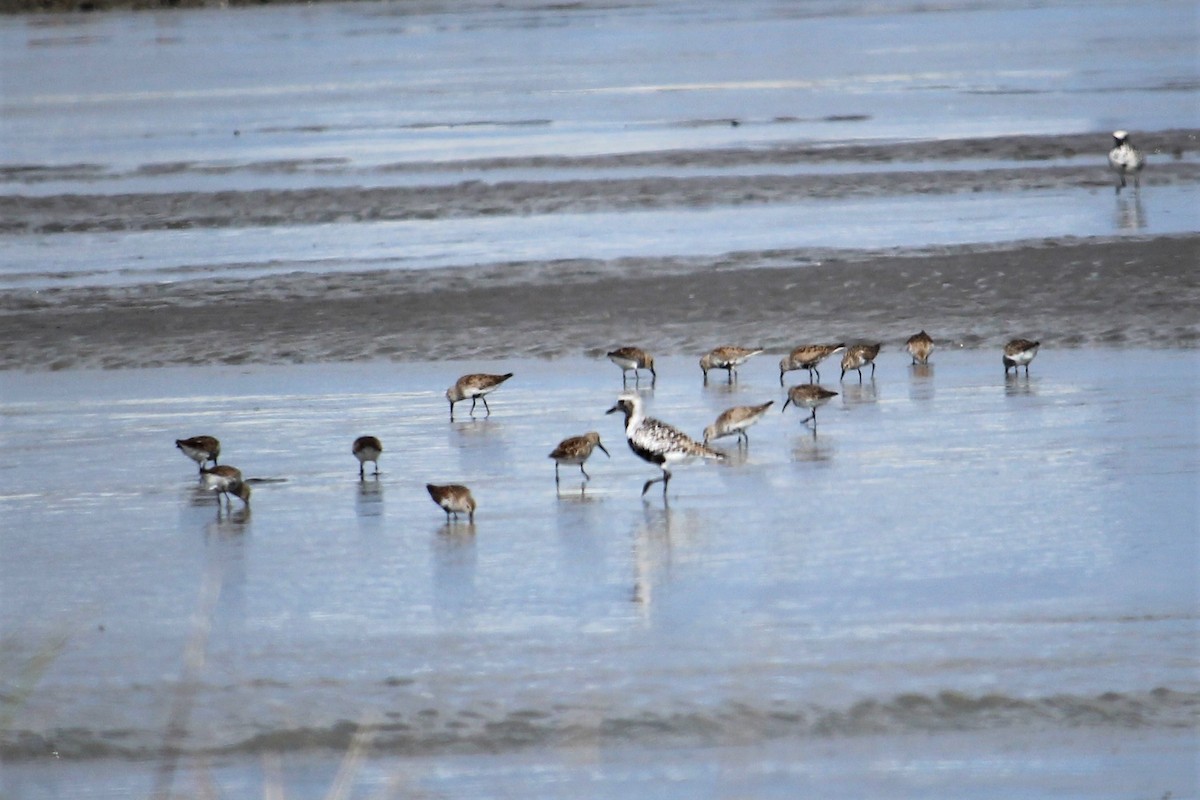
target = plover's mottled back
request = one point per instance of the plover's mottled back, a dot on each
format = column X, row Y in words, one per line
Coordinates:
column 857, row 357
column 807, row 356
column 727, row 357
column 1019, row 352
column 633, row 358
column 920, row 347
column 367, row 448
column 200, row 449
column 657, row 442
column 454, row 499
column 225, row 481
column 1125, row 159
column 576, row 450
column 810, row 396
column 474, row 386
column 735, row 421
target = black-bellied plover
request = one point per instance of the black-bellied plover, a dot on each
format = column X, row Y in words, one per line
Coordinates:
column 200, row 449
column 857, row 357
column 474, row 386
column 576, row 450
column 633, row 358
column 735, row 421
column 727, row 357
column 225, row 481
column 367, row 448
column 810, row 396
column 454, row 498
column 1018, row 353
column 920, row 347
column 657, row 442
column 807, row 356
column 1125, row 159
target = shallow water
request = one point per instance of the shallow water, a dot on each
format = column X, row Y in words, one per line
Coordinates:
column 950, row 551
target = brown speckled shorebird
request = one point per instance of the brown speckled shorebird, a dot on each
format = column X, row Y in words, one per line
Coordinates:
column 727, row 357
column 920, row 347
column 367, row 448
column 1019, row 352
column 454, row 499
column 576, row 450
column 474, row 386
column 200, row 449
column 633, row 358
column 225, row 481
column 807, row 356
column 857, row 357
column 810, row 396
column 735, row 421
column 657, row 442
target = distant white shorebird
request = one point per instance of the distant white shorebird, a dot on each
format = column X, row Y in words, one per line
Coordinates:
column 727, row 357
column 657, row 442
column 633, row 358
column 576, row 450
column 920, row 347
column 1125, row 159
column 367, row 448
column 474, row 386
column 734, row 422
column 1018, row 353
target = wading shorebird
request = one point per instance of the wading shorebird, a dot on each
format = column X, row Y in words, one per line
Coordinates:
column 727, row 357
column 735, row 421
column 474, row 386
column 633, row 358
column 367, row 448
column 857, row 357
column 657, row 442
column 1019, row 352
column 225, row 481
column 807, row 356
column 810, row 396
column 200, row 449
column 576, row 450
column 454, row 499
column 1125, row 159
column 920, row 347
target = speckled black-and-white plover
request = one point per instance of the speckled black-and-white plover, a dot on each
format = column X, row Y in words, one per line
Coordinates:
column 811, row 396
column 1125, row 159
column 200, row 449
column 858, row 356
column 1018, row 353
column 633, row 358
column 367, row 448
column 807, row 356
column 734, row 422
column 657, row 442
column 576, row 450
column 920, row 347
column 454, row 499
column 727, row 357
column 474, row 386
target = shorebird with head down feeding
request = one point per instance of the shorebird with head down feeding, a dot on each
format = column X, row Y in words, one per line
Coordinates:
column 454, row 499
column 1019, row 352
column 200, row 449
column 1125, row 159
column 633, row 358
column 367, row 448
column 807, row 356
column 576, row 450
column 920, row 347
column 225, row 481
column 810, row 396
column 474, row 386
column 657, row 442
column 734, row 422
column 727, row 357
column 857, row 357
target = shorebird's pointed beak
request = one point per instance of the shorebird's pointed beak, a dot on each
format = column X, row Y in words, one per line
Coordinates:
column 785, row 404
column 605, row 449
column 613, row 409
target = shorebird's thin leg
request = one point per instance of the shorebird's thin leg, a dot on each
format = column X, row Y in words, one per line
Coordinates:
column 452, row 411
column 473, row 399
column 666, row 476
column 731, row 373
column 584, row 471
column 781, row 377
column 360, row 470
column 860, row 375
column 485, row 405
column 376, row 467
column 556, row 473
column 872, row 370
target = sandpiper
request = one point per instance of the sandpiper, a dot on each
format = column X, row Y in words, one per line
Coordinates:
column 735, row 421
column 920, row 347
column 1125, row 159
column 657, row 442
column 1019, row 352
column 727, row 357
column 200, row 449
column 576, row 450
column 367, row 448
column 811, row 396
column 474, row 386
column 633, row 358
column 226, row 480
column 454, row 499
column 857, row 357
column 807, row 356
